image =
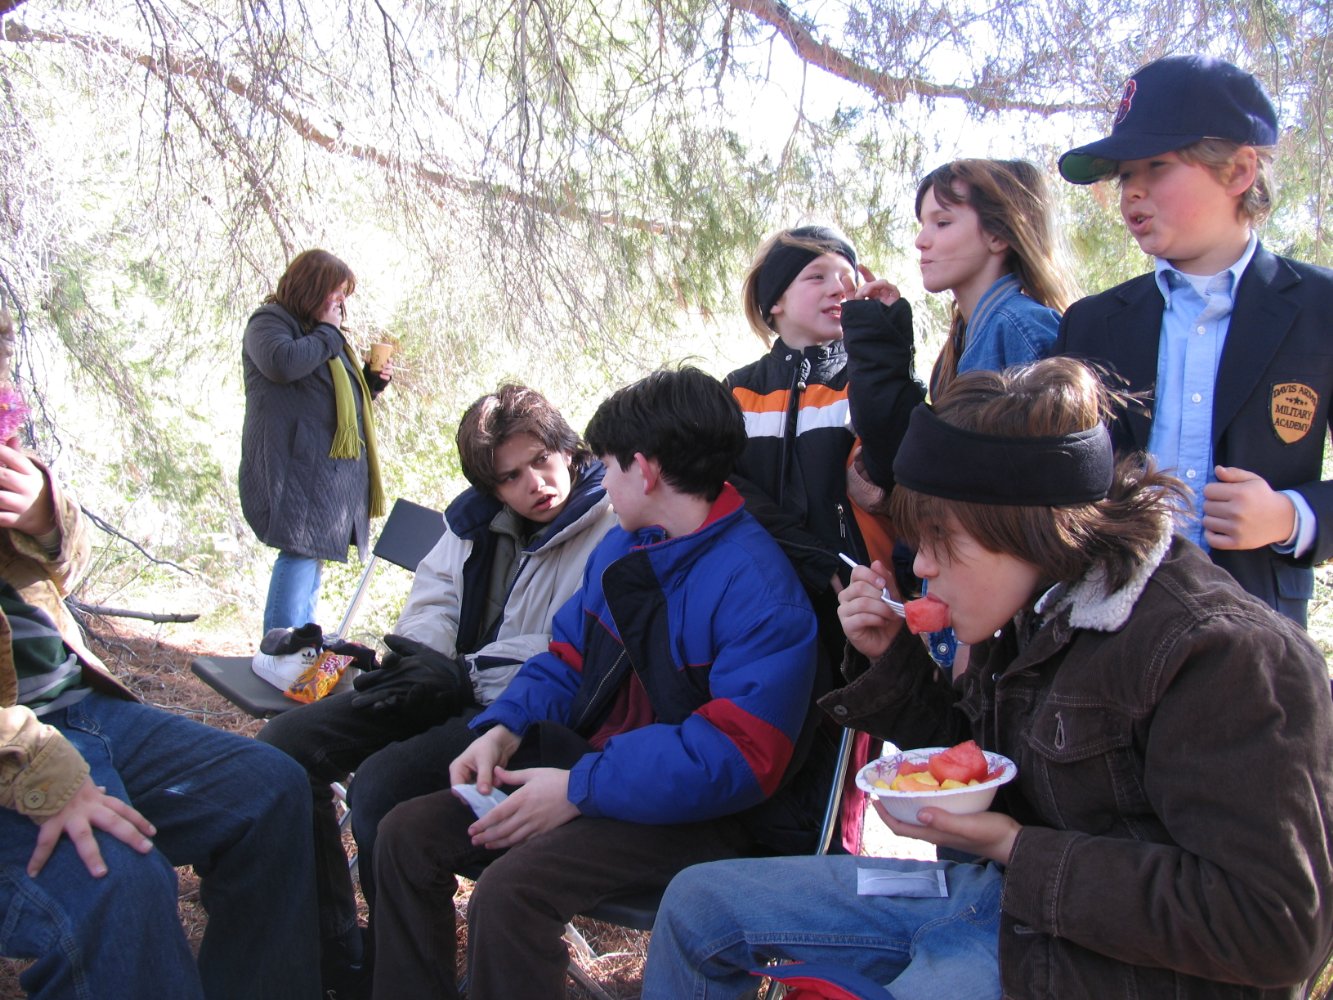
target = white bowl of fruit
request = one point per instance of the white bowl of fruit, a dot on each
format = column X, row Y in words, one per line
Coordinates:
column 959, row 779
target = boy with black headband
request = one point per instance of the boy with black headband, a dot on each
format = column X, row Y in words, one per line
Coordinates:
column 1138, row 852
column 797, row 418
column 1225, row 343
column 799, row 438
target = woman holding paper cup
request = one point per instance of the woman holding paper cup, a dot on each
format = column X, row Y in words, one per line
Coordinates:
column 309, row 476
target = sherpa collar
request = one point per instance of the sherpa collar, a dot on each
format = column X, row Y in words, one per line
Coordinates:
column 1090, row 606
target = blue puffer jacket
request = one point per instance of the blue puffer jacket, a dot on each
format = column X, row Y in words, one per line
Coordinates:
column 716, row 629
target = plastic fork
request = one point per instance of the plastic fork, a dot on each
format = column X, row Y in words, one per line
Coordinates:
column 895, row 606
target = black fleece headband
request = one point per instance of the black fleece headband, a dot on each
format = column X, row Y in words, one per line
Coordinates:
column 941, row 460
column 784, row 262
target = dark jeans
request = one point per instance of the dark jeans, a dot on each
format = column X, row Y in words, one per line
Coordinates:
column 220, row 802
column 522, row 900
column 395, row 760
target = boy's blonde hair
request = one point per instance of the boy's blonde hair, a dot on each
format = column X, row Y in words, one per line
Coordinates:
column 1217, row 156
column 761, row 322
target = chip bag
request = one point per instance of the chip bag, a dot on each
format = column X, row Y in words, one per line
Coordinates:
column 319, row 678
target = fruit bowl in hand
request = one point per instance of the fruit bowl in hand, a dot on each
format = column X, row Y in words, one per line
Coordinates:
column 951, row 795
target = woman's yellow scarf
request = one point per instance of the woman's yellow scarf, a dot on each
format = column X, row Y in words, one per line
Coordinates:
column 346, row 441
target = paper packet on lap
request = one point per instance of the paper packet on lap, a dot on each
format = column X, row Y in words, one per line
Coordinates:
column 921, row 883
column 481, row 804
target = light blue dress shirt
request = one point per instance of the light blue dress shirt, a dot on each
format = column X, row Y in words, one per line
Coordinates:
column 1195, row 323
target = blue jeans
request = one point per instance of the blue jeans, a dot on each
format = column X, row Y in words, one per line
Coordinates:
column 236, row 810
column 720, row 920
column 293, row 590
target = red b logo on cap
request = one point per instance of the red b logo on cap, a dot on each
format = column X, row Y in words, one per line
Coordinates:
column 1125, row 101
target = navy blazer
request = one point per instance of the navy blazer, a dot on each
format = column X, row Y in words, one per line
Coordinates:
column 1271, row 400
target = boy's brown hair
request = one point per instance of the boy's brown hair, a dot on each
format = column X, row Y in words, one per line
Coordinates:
column 496, row 417
column 1047, row 398
column 683, row 418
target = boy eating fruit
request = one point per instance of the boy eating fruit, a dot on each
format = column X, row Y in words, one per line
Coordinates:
column 1132, row 682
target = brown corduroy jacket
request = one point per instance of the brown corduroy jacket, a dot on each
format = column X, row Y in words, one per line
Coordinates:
column 39, row 769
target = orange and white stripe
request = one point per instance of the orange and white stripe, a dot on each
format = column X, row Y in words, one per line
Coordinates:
column 766, row 413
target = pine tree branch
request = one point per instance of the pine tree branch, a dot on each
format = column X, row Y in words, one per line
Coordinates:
column 148, row 616
column 209, row 73
column 889, row 89
column 101, row 523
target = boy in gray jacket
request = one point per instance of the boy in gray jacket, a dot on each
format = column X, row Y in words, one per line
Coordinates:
column 513, row 551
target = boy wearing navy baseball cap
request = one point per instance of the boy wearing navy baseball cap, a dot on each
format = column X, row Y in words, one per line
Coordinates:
column 1226, row 342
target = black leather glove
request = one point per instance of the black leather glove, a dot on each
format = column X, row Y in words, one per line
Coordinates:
column 414, row 681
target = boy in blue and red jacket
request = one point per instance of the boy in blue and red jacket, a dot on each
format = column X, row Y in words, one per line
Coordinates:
column 653, row 734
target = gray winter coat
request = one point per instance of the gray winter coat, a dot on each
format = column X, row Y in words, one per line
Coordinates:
column 294, row 496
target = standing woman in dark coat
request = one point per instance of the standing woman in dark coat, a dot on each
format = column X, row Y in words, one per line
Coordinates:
column 309, row 473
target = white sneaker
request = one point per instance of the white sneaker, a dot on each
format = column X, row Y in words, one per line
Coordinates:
column 286, row 653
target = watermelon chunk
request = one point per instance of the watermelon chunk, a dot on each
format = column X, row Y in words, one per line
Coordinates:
column 963, row 763
column 926, row 614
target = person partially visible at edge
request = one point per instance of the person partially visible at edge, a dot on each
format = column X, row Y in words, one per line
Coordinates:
column 987, row 238
column 513, row 551
column 1224, row 344
column 1139, row 851
column 656, row 731
column 102, row 797
column 309, row 476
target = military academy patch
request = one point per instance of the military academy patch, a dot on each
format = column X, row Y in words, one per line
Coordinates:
column 1292, row 408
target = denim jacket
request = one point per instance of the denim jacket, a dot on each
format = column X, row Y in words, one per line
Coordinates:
column 1007, row 328
column 1173, row 741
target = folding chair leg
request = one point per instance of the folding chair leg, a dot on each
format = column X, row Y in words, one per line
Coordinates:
column 581, row 976
column 339, row 791
column 362, row 586
column 772, row 989
column 583, row 951
column 344, row 817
